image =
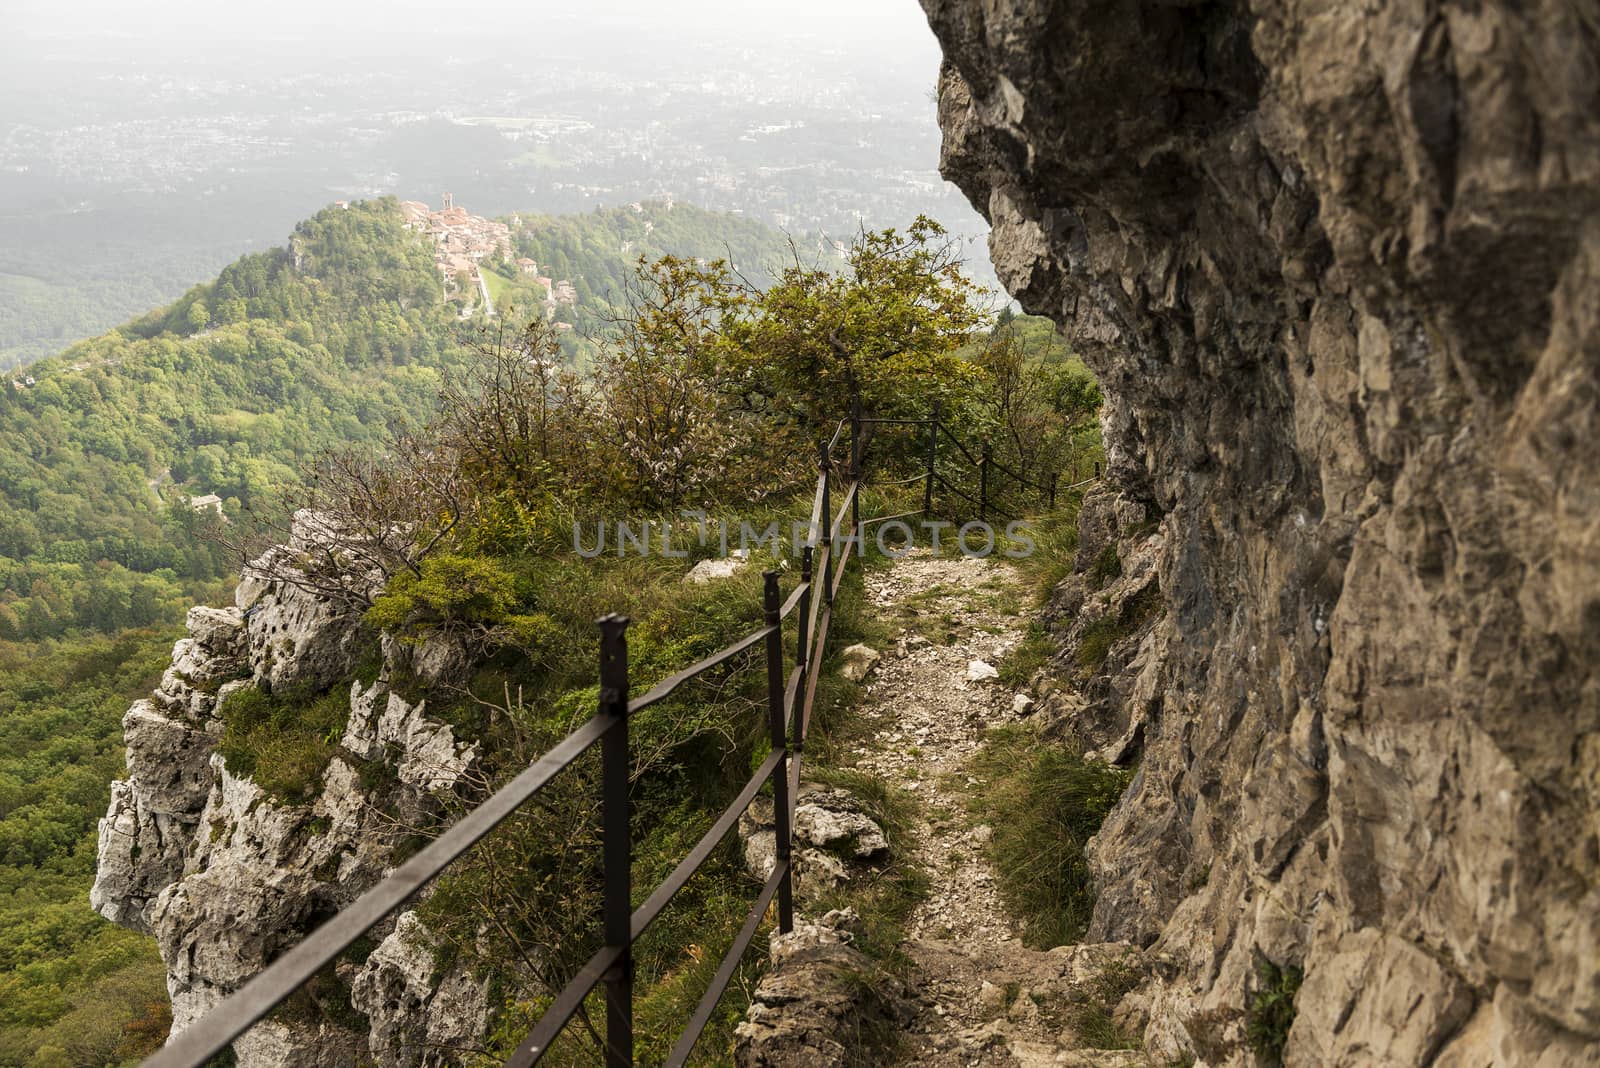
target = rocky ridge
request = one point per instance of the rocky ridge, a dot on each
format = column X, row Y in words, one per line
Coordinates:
column 1336, row 268
column 226, row 877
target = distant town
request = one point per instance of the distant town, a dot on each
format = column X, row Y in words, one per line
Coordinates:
column 462, row 241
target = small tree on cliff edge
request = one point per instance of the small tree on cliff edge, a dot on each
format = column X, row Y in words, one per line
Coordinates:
column 887, row 330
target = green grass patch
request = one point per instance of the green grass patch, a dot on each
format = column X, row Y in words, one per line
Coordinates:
column 1093, row 1017
column 1270, row 1013
column 1097, row 639
column 283, row 742
column 1089, row 1010
column 1044, row 802
column 1052, row 539
column 1031, row 654
column 1107, row 567
column 498, row 286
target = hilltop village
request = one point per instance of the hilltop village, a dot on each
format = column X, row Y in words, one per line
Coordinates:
column 463, row 241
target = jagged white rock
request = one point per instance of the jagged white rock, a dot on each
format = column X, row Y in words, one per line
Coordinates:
column 415, row 1019
column 225, row 877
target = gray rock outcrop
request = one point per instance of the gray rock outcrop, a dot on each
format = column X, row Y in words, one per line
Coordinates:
column 819, row 1002
column 227, row 877
column 834, row 838
column 1337, row 268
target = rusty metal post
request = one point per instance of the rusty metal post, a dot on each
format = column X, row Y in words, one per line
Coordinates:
column 825, row 466
column 933, row 448
column 617, row 845
column 803, row 650
column 779, row 734
column 983, row 483
column 856, row 456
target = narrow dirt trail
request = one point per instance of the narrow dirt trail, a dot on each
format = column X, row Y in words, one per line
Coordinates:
column 981, row 998
column 929, row 717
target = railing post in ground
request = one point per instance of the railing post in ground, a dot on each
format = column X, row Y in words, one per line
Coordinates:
column 1053, row 476
column 779, row 731
column 856, row 456
column 617, row 845
column 825, row 466
column 802, row 649
column 983, row 483
column 933, row 448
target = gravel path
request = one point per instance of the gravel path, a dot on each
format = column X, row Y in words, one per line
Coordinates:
column 929, row 716
column 981, row 998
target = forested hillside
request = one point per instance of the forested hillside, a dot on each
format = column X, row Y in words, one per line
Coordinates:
column 330, row 340
column 598, row 253
column 226, row 393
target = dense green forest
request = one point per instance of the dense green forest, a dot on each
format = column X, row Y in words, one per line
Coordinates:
column 74, row 989
column 237, row 385
column 226, row 392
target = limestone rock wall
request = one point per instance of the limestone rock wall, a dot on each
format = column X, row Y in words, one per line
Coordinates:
column 227, row 878
column 1338, row 269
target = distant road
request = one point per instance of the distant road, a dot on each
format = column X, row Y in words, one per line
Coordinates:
column 483, row 287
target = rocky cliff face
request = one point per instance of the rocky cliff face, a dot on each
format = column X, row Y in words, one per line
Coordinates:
column 1338, row 268
column 226, row 877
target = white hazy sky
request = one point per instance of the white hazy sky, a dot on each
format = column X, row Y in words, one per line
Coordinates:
column 230, row 23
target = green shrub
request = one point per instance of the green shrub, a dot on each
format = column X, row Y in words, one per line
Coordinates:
column 1095, row 643
column 1044, row 802
column 282, row 743
column 1270, row 1013
column 1029, row 655
column 1107, row 566
column 449, row 589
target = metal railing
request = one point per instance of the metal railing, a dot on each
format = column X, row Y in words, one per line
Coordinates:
column 987, row 496
column 790, row 700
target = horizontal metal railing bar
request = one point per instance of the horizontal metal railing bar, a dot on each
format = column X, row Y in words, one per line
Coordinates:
column 923, row 421
column 555, row 1018
column 664, row 688
column 946, row 483
column 890, row 518
column 993, row 462
column 645, row 914
column 956, row 441
column 1016, row 476
column 918, row 477
column 819, row 569
column 794, row 599
column 819, row 647
column 790, row 692
column 993, row 504
column 844, row 559
column 833, row 442
column 237, row 1013
column 844, row 509
column 730, row 963
column 814, row 671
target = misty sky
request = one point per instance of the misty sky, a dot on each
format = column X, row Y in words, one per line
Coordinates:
column 146, row 143
column 179, row 29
